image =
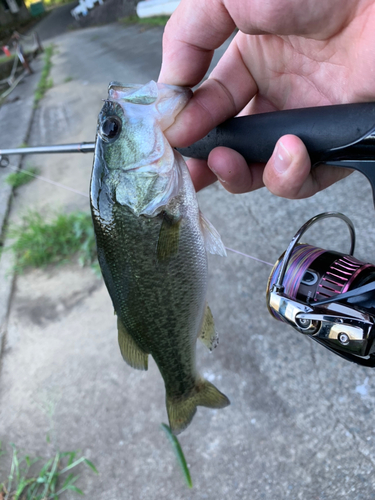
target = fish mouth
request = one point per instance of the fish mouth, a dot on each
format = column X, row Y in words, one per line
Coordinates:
column 163, row 102
column 148, row 93
column 133, row 93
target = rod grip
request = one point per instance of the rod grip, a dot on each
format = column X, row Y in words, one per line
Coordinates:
column 321, row 129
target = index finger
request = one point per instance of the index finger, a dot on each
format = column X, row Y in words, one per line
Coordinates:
column 191, row 35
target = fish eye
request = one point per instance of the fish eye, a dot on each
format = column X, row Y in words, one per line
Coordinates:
column 110, row 129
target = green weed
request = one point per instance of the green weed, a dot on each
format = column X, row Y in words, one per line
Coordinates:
column 38, row 243
column 52, row 480
column 150, row 21
column 49, row 3
column 179, row 454
column 45, row 83
column 22, row 177
column 4, row 59
column 68, row 79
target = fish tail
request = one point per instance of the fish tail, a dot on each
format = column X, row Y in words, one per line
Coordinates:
column 181, row 411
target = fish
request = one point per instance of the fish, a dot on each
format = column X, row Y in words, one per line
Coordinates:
column 152, row 242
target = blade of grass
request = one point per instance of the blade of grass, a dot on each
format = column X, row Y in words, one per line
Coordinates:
column 68, row 485
column 91, row 465
column 179, row 454
column 21, row 487
column 74, row 464
column 10, row 477
column 74, row 488
column 51, row 474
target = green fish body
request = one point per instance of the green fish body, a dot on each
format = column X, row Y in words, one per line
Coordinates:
column 152, row 242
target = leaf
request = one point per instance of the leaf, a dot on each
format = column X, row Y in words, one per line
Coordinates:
column 74, row 464
column 179, row 454
column 71, row 457
column 91, row 465
column 21, row 487
column 74, row 488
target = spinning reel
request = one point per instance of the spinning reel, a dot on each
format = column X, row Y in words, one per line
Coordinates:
column 326, row 295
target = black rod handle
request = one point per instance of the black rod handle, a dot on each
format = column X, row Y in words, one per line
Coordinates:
column 322, row 129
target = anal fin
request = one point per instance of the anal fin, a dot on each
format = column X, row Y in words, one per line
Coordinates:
column 208, row 334
column 130, row 351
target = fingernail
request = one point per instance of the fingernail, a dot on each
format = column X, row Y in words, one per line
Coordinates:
column 282, row 158
column 214, row 171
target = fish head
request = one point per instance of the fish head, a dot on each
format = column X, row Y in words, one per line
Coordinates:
column 131, row 144
column 133, row 119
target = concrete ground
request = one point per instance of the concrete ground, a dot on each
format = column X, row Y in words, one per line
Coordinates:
column 58, row 22
column 300, row 425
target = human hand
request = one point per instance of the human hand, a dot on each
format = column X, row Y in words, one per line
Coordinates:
column 287, row 54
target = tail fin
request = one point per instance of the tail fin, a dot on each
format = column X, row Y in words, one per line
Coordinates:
column 182, row 411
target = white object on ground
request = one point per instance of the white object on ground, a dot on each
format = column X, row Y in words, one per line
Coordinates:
column 83, row 7
column 150, row 8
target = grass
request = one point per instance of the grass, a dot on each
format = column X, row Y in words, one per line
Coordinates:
column 149, row 21
column 50, row 3
column 179, row 454
column 45, row 83
column 22, row 177
column 4, row 59
column 68, row 79
column 38, row 243
column 54, row 478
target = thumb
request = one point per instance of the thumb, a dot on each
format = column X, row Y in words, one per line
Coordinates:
column 288, row 172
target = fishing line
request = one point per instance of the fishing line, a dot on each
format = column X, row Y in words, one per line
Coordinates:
column 67, row 188
column 250, row 256
column 54, row 183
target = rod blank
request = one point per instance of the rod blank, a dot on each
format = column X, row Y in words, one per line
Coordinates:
column 82, row 147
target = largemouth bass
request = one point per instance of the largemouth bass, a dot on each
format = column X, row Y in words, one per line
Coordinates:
column 152, row 242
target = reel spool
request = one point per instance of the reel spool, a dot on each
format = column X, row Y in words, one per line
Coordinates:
column 327, row 295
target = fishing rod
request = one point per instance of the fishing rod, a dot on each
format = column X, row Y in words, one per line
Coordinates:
column 81, row 147
column 325, row 295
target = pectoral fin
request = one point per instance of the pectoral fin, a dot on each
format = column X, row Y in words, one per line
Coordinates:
column 212, row 238
column 208, row 335
column 131, row 353
column 169, row 237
